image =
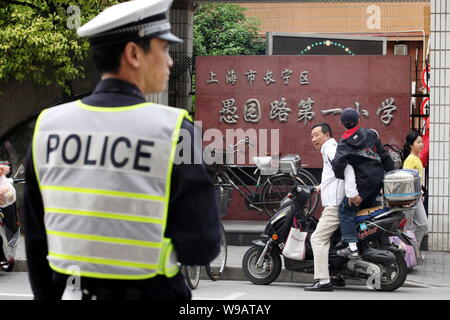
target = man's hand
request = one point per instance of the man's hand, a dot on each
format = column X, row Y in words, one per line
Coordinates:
column 355, row 201
column 317, row 188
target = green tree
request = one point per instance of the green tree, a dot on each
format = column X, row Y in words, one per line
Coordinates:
column 38, row 39
column 223, row 29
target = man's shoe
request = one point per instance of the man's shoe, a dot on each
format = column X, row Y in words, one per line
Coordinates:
column 337, row 281
column 320, row 287
column 347, row 253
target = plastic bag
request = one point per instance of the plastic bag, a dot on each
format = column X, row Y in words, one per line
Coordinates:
column 410, row 255
column 295, row 246
column 7, row 192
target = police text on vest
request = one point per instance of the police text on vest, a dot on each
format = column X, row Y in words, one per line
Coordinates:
column 105, row 151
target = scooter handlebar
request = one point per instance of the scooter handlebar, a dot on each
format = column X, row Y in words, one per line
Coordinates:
column 300, row 188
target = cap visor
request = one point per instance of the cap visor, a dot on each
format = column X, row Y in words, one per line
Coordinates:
column 169, row 37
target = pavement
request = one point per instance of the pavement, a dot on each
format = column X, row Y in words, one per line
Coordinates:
column 434, row 272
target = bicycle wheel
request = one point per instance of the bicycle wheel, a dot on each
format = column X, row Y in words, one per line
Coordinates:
column 307, row 179
column 192, row 276
column 215, row 268
column 274, row 190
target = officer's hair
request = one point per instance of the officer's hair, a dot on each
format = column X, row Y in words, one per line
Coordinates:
column 325, row 128
column 107, row 58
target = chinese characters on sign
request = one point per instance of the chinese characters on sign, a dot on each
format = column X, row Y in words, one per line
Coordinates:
column 228, row 111
column 387, row 107
column 245, row 95
column 231, row 77
column 212, row 78
column 251, row 76
column 268, row 77
column 304, row 77
column 279, row 110
column 305, row 112
column 335, row 111
column 286, row 74
column 252, row 111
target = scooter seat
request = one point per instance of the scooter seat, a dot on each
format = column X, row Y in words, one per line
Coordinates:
column 371, row 213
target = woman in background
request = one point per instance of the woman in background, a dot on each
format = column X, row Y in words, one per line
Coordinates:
column 413, row 146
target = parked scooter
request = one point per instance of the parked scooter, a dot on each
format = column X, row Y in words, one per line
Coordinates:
column 9, row 231
column 382, row 264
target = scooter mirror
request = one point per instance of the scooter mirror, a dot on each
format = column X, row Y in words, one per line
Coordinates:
column 21, row 170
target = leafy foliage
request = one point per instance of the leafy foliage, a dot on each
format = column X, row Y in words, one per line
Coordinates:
column 223, row 29
column 38, row 39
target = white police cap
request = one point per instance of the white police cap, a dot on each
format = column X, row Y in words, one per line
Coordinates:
column 130, row 20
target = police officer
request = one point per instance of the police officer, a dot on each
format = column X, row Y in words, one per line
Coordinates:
column 108, row 214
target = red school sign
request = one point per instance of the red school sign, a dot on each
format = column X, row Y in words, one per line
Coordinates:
column 292, row 93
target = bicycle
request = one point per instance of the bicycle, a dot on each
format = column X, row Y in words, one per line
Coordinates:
column 272, row 185
column 216, row 267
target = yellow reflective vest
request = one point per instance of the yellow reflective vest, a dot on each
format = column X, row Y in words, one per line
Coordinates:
column 104, row 175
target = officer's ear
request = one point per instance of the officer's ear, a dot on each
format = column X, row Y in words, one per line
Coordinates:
column 131, row 54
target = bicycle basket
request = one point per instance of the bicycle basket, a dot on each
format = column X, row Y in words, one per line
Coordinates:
column 265, row 165
column 290, row 163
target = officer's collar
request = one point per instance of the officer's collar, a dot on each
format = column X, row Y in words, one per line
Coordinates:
column 114, row 85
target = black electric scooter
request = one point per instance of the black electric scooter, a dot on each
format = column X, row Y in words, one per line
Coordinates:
column 382, row 264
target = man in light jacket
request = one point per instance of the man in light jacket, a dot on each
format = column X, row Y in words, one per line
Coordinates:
column 332, row 191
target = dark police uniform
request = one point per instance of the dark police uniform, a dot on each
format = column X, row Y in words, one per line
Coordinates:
column 108, row 210
column 192, row 221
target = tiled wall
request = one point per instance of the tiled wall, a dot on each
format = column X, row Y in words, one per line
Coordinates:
column 439, row 201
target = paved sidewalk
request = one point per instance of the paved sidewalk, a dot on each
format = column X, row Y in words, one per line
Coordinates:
column 435, row 270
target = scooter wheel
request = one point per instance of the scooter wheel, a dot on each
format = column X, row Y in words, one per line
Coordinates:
column 265, row 274
column 394, row 276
